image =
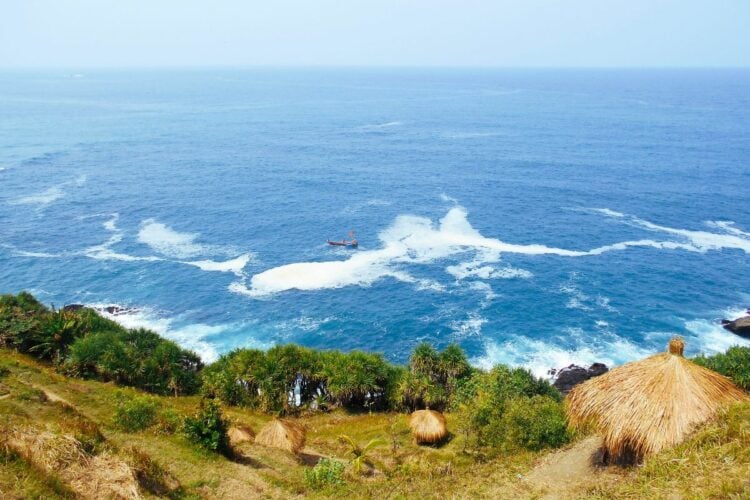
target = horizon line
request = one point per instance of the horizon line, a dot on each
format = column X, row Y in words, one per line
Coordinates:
column 127, row 67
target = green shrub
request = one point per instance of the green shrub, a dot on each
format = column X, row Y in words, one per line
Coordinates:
column 101, row 355
column 735, row 364
column 169, row 421
column 492, row 405
column 208, row 428
column 19, row 320
column 139, row 358
column 433, row 377
column 535, row 423
column 136, row 413
column 327, row 473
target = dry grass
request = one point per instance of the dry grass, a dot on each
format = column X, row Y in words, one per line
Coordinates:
column 646, row 406
column 239, row 434
column 101, row 476
column 428, row 426
column 282, row 434
column 714, row 463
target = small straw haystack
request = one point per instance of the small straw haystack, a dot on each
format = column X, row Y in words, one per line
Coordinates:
column 239, row 434
column 646, row 406
column 428, row 426
column 282, row 434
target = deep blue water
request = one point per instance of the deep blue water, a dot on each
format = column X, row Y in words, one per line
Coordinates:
column 536, row 217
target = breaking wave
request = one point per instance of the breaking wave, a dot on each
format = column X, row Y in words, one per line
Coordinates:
column 539, row 356
column 417, row 240
column 196, row 337
column 169, row 242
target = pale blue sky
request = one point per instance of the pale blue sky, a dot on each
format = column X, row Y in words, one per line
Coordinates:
column 145, row 33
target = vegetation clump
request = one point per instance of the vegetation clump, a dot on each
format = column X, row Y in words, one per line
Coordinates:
column 327, row 473
column 136, row 413
column 508, row 408
column 84, row 344
column 734, row 364
column 208, row 427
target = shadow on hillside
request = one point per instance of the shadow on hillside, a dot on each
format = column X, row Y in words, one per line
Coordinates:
column 241, row 459
column 309, row 459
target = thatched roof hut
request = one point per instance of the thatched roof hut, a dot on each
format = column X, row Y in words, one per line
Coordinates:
column 240, row 434
column 428, row 426
column 283, row 434
column 649, row 405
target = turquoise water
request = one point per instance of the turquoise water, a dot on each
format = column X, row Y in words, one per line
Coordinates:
column 537, row 217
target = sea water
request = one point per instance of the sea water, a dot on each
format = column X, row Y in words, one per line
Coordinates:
column 535, row 217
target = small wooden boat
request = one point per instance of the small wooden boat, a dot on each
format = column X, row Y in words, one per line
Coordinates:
column 344, row 243
column 352, row 243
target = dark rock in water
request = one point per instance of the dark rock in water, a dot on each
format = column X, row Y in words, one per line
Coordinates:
column 73, row 307
column 740, row 326
column 597, row 369
column 115, row 310
column 569, row 377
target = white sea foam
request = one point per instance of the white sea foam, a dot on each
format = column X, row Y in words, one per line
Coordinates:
column 191, row 336
column 539, row 356
column 701, row 335
column 728, row 226
column 44, row 198
column 235, row 265
column 449, row 199
column 709, row 337
column 604, row 303
column 576, row 298
column 409, row 240
column 695, row 241
column 40, row 255
column 417, row 240
column 486, row 289
column 169, row 242
column 471, row 326
column 105, row 251
column 481, row 268
column 49, row 195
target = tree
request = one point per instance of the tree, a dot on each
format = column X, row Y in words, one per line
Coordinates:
column 57, row 330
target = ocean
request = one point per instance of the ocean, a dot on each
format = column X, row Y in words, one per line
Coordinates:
column 536, row 217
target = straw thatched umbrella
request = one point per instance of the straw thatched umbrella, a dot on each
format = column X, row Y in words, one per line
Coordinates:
column 649, row 405
column 428, row 426
column 282, row 434
column 240, row 434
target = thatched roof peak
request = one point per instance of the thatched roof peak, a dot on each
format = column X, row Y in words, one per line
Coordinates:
column 282, row 434
column 428, row 426
column 645, row 406
column 676, row 345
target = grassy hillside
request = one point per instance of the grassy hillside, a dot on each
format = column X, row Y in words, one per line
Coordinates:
column 91, row 409
column 87, row 454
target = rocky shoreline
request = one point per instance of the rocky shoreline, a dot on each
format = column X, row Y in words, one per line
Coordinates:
column 570, row 376
column 112, row 310
column 739, row 326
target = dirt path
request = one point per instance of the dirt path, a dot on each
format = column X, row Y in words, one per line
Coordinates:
column 51, row 396
column 566, row 473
